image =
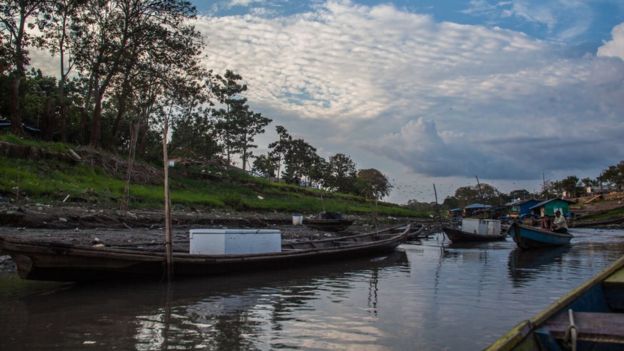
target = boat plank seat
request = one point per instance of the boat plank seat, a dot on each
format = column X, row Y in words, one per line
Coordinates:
column 590, row 326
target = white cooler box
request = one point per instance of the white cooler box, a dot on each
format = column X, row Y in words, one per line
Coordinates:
column 234, row 241
column 481, row 226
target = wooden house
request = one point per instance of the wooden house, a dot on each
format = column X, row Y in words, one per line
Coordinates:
column 549, row 207
column 522, row 208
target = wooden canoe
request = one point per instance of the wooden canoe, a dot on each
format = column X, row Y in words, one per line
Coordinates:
column 63, row 262
column 456, row 235
column 328, row 225
column 595, row 309
column 527, row 237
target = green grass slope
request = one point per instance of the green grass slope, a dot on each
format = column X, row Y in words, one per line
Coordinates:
column 46, row 180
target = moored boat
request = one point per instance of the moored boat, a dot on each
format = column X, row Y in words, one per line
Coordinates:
column 588, row 318
column 329, row 222
column 456, row 235
column 527, row 237
column 474, row 229
column 328, row 225
column 64, row 262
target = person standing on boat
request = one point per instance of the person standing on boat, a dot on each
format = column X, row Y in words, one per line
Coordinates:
column 559, row 223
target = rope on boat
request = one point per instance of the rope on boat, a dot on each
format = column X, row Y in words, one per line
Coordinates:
column 571, row 333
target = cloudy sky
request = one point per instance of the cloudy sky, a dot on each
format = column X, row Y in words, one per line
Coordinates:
column 434, row 91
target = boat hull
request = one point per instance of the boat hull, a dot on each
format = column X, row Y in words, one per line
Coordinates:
column 596, row 308
column 527, row 237
column 456, row 235
column 59, row 262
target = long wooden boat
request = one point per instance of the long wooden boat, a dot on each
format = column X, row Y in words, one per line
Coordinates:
column 588, row 318
column 63, row 262
column 328, row 224
column 527, row 237
column 456, row 235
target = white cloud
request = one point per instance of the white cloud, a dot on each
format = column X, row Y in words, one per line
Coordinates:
column 615, row 46
column 562, row 20
column 347, row 61
column 506, row 104
column 242, row 3
column 437, row 98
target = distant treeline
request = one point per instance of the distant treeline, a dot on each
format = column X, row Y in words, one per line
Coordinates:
column 610, row 178
column 129, row 68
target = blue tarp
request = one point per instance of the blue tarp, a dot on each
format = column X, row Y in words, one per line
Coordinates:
column 476, row 206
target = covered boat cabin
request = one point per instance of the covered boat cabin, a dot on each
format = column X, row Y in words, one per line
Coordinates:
column 549, row 207
column 522, row 208
column 455, row 212
column 475, row 209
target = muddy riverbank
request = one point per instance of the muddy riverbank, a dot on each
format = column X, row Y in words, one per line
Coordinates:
column 61, row 216
column 86, row 226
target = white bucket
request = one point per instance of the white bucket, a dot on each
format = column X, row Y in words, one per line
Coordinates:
column 297, row 219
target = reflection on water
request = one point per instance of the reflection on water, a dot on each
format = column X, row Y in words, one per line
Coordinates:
column 423, row 297
column 523, row 264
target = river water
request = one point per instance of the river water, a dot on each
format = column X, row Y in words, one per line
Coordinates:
column 430, row 295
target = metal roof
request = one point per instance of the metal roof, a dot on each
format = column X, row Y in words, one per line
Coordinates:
column 547, row 201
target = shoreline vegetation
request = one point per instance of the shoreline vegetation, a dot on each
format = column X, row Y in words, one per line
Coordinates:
column 57, row 173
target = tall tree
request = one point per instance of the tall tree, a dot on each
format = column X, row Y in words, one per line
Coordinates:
column 248, row 125
column 342, row 173
column 196, row 137
column 317, row 170
column 484, row 193
column 280, row 147
column 266, row 165
column 298, row 159
column 63, row 19
column 114, row 35
column 15, row 17
column 372, row 184
column 229, row 93
column 614, row 175
column 570, row 185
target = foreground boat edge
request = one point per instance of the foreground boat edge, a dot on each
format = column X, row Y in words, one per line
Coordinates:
column 519, row 333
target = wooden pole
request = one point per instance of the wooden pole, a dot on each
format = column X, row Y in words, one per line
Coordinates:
column 435, row 193
column 168, row 246
column 134, row 135
column 479, row 188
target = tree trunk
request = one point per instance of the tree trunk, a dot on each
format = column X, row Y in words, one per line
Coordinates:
column 142, row 142
column 134, row 134
column 14, row 108
column 63, row 111
column 121, row 106
column 47, row 129
column 244, row 158
column 96, row 123
column 84, row 126
column 61, row 86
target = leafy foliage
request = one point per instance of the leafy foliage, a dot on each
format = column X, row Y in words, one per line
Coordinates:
column 372, row 184
column 614, row 175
